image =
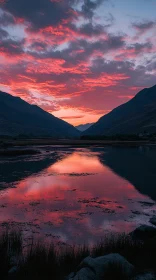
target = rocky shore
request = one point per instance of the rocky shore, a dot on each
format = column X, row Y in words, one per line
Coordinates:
column 125, row 257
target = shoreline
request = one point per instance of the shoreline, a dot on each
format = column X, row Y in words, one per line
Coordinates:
column 111, row 257
column 6, row 143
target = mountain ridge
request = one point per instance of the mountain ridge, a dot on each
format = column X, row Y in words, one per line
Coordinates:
column 19, row 117
column 83, row 127
column 131, row 117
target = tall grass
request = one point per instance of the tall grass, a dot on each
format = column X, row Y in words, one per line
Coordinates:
column 42, row 261
column 10, row 248
column 20, row 152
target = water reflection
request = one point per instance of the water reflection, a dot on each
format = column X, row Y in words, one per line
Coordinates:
column 77, row 195
column 12, row 170
column 137, row 165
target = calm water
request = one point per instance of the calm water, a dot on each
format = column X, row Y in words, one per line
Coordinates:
column 73, row 195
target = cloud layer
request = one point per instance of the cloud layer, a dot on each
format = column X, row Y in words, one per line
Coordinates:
column 72, row 58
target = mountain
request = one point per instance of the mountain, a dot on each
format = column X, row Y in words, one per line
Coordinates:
column 19, row 117
column 83, row 127
column 135, row 116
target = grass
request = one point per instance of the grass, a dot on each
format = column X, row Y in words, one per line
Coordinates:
column 10, row 247
column 74, row 142
column 41, row 261
column 8, row 152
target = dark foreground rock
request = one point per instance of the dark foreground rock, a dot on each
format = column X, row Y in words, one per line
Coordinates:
column 143, row 232
column 101, row 267
column 146, row 276
column 153, row 220
column 21, row 152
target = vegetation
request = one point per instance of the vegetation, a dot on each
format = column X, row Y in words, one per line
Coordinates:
column 42, row 261
column 117, row 137
column 83, row 142
column 15, row 152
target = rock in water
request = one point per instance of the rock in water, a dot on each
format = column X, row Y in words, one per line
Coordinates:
column 98, row 268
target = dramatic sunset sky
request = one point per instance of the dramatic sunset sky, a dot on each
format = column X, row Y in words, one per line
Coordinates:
column 77, row 59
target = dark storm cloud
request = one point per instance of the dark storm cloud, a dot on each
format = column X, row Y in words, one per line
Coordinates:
column 40, row 13
column 6, row 19
column 38, row 46
column 140, row 47
column 138, row 76
column 81, row 50
column 144, row 26
column 3, row 34
column 116, row 41
column 135, row 75
column 12, row 47
column 103, row 46
column 90, row 6
column 151, row 64
column 100, row 65
column 92, row 30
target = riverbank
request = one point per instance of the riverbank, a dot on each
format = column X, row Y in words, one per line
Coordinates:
column 136, row 251
column 17, row 152
column 72, row 142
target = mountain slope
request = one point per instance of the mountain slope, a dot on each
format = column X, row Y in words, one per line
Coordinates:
column 137, row 115
column 19, row 117
column 83, row 127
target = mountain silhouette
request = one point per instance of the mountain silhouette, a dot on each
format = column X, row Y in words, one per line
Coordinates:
column 136, row 116
column 83, row 127
column 19, row 117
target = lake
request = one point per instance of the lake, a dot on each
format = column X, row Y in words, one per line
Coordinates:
column 77, row 195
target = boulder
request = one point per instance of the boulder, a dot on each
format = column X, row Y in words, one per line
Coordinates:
column 12, row 273
column 146, row 276
column 143, row 232
column 13, row 270
column 98, row 268
column 153, row 220
column 14, row 261
column 83, row 274
column 71, row 275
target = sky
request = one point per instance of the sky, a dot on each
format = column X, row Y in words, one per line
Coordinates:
column 77, row 59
